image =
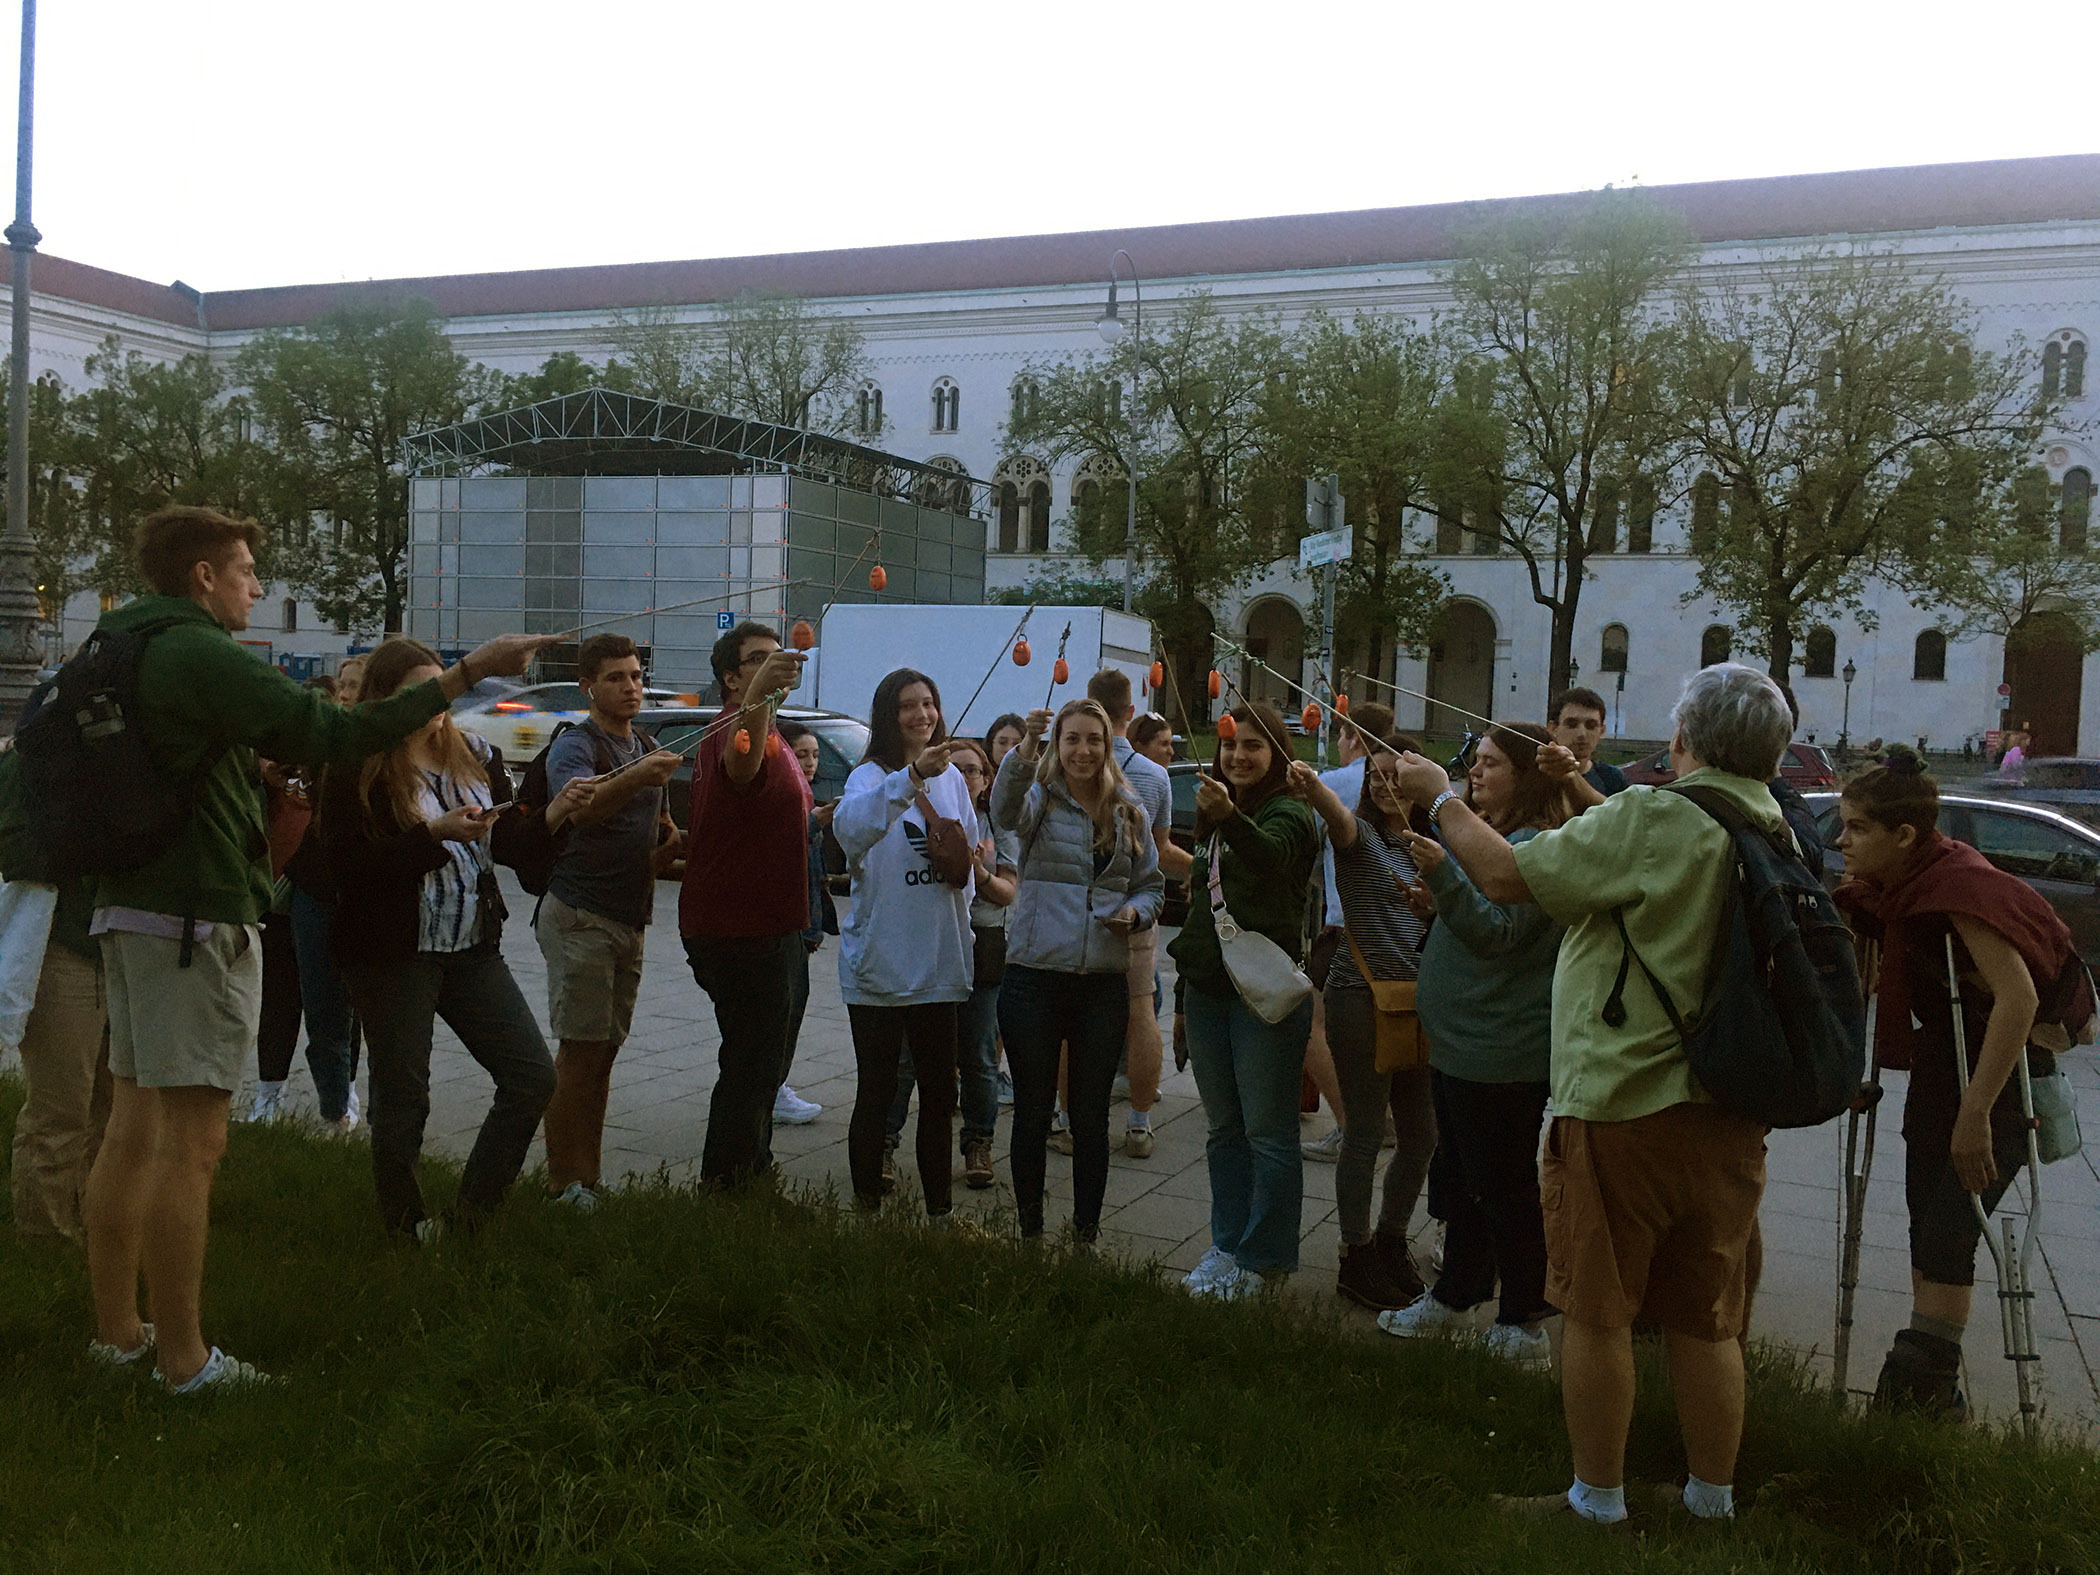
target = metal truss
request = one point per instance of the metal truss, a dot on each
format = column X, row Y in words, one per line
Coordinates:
column 601, row 432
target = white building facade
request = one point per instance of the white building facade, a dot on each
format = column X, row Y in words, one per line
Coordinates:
column 950, row 328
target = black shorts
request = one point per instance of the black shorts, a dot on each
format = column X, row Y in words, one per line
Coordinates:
column 1943, row 1224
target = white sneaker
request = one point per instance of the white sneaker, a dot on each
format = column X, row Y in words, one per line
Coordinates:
column 1323, row 1150
column 1436, row 1252
column 1524, row 1344
column 1061, row 1133
column 578, row 1197
column 269, row 1102
column 1424, row 1315
column 1119, row 1090
column 352, row 1111
column 791, row 1109
column 1006, row 1087
column 1215, row 1261
column 102, row 1352
column 1137, row 1140
column 1233, row 1284
column 220, row 1372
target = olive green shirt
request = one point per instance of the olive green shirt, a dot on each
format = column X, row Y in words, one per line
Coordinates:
column 1668, row 864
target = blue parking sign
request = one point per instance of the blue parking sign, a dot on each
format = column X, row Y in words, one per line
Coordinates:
column 725, row 619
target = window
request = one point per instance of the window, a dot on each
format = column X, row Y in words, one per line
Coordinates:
column 1739, row 389
column 1090, row 486
column 1604, row 518
column 1928, row 658
column 1612, row 657
column 1640, row 515
column 1108, row 399
column 867, row 411
column 2074, row 369
column 2077, row 509
column 107, row 600
column 1714, row 645
column 1022, row 486
column 954, row 496
column 1819, row 657
column 1026, row 396
column 947, row 405
column 2052, row 368
column 1486, row 537
column 1706, row 510
column 291, row 616
column 1450, row 531
column 1039, row 516
column 2034, row 849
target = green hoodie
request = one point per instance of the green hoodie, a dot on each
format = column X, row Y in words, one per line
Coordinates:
column 1266, row 874
column 210, row 708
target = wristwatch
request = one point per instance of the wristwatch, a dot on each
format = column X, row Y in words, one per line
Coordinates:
column 1437, row 803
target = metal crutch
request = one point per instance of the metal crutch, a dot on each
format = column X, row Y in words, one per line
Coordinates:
column 2013, row 1255
column 1859, row 1164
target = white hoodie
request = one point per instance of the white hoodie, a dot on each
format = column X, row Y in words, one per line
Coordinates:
column 907, row 941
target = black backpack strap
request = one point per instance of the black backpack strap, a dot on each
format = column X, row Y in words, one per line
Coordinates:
column 1614, row 1012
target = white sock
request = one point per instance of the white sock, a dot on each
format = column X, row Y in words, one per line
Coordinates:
column 1708, row 1501
column 1140, row 1120
column 1596, row 1503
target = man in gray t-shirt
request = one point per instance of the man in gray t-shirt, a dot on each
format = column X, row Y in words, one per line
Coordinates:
column 599, row 897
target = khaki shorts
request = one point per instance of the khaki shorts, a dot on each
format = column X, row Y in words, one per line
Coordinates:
column 177, row 1027
column 1650, row 1220
column 594, row 970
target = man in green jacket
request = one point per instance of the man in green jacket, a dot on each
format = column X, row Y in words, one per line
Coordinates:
column 180, row 945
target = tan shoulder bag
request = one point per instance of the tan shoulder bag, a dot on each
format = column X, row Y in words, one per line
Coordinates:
column 1402, row 1046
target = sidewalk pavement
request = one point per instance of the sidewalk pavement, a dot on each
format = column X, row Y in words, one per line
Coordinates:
column 1158, row 1208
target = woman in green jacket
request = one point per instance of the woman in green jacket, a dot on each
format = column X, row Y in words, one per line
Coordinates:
column 1267, row 845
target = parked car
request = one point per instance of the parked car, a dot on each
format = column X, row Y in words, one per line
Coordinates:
column 2064, row 783
column 520, row 721
column 1805, row 766
column 2055, row 854
column 1181, row 775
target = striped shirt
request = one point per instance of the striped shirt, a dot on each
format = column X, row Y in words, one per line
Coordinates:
column 1371, row 874
column 450, row 916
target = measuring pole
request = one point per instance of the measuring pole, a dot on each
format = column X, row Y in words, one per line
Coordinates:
column 1328, row 543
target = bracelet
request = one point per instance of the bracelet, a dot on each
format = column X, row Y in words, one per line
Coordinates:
column 1437, row 803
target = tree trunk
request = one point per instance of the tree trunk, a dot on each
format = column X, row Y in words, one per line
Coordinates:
column 1563, row 651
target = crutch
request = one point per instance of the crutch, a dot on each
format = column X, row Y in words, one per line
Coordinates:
column 2012, row 1252
column 1859, row 1164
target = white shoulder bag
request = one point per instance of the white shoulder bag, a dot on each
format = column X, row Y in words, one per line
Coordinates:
column 1268, row 981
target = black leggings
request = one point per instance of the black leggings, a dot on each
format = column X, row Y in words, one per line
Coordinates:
column 879, row 1036
column 1486, row 1177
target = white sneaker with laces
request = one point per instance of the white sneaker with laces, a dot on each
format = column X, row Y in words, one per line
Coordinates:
column 352, row 1111
column 108, row 1355
column 578, row 1197
column 220, row 1372
column 1233, row 1284
column 1524, row 1344
column 791, row 1109
column 1137, row 1140
column 1323, row 1150
column 1424, row 1315
column 269, row 1102
column 1214, row 1262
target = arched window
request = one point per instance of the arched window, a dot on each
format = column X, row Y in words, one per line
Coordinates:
column 2052, row 368
column 1611, row 658
column 1928, row 658
column 1714, row 645
column 2074, row 369
column 1640, row 516
column 1026, row 394
column 1090, row 487
column 947, row 405
column 291, row 615
column 953, row 496
column 1039, row 516
column 1604, row 518
column 1009, row 516
column 1819, row 657
column 2077, row 509
column 1022, row 486
column 867, row 410
column 1706, row 511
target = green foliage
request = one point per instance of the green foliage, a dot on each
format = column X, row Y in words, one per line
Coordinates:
column 2000, row 557
column 564, row 372
column 764, row 356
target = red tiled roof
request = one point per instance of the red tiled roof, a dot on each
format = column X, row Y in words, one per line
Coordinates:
column 1922, row 197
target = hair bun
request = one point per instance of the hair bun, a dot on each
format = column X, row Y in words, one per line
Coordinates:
column 1904, row 761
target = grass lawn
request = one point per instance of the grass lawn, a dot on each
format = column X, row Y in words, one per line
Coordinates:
column 687, row 1383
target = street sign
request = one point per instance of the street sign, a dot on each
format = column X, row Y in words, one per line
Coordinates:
column 1330, row 546
column 2005, row 691
column 725, row 619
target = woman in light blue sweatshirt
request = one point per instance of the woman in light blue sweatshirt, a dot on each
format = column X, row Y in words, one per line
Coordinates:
column 905, row 955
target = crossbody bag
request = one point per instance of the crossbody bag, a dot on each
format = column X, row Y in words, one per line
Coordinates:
column 1401, row 1045
column 1272, row 985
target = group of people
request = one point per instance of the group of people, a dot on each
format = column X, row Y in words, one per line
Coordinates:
column 1458, row 969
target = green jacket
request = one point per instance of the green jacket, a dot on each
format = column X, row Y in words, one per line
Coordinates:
column 210, row 708
column 1266, row 873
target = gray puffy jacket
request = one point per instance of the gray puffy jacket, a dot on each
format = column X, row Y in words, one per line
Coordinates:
column 1054, row 922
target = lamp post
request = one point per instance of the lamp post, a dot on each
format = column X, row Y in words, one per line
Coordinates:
column 21, row 613
column 1845, row 729
column 1110, row 327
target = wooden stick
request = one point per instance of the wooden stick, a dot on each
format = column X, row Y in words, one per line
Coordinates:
column 1402, row 689
column 1006, row 646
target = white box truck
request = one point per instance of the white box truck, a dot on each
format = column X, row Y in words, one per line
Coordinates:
column 961, row 647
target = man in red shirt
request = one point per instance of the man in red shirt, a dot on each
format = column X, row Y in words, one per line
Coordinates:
column 745, row 900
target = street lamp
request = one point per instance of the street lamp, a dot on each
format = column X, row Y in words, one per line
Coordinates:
column 1110, row 327
column 1845, row 730
column 21, row 613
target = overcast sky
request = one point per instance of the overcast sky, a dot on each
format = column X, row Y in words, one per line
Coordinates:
column 251, row 142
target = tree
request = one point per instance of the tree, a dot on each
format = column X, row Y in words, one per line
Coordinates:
column 2011, row 558
column 337, row 400
column 564, row 372
column 1558, row 411
column 764, row 356
column 1362, row 402
column 1196, row 436
column 1849, row 423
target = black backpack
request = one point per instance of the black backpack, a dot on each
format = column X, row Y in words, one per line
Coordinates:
column 521, row 838
column 1781, row 1034
column 94, row 799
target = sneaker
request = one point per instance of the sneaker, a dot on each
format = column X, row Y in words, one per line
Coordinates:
column 1137, row 1140
column 791, row 1109
column 1215, row 1261
column 220, row 1372
column 1323, row 1150
column 351, row 1110
column 429, row 1232
column 1424, row 1315
column 1061, row 1133
column 889, row 1165
column 1006, row 1087
column 1524, row 1344
column 578, row 1197
column 107, row 1355
column 344, row 1124
column 1119, row 1090
column 1668, row 1505
column 977, row 1164
column 1233, row 1284
column 1436, row 1251
column 269, row 1102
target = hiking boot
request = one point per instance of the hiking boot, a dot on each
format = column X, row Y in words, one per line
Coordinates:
column 1399, row 1265
column 1922, row 1373
column 889, row 1166
column 1366, row 1280
column 977, row 1163
column 1323, row 1150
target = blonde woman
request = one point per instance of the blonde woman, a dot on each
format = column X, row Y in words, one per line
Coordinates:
column 1089, row 878
column 416, row 931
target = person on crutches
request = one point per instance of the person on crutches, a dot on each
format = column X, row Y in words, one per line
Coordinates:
column 1860, row 1124
column 1961, row 1032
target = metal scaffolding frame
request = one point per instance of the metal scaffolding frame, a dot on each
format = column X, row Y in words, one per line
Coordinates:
column 602, row 432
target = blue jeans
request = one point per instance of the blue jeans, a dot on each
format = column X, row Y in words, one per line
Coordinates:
column 1247, row 1072
column 330, row 1054
column 976, row 1063
column 1041, row 1012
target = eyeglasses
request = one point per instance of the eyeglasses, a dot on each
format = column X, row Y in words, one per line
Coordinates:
column 970, row 771
column 756, row 658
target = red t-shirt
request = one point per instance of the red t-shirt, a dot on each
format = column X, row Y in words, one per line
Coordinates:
column 746, row 849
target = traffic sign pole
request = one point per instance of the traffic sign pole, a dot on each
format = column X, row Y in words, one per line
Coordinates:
column 1328, row 544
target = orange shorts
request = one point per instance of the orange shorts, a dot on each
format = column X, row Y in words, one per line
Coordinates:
column 1651, row 1220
